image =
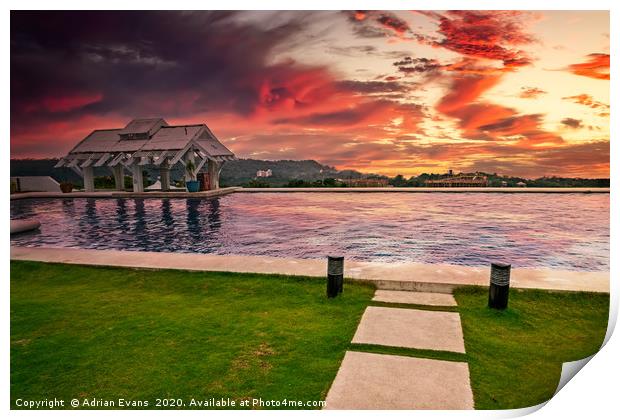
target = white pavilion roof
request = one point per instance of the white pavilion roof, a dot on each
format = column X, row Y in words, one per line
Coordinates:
column 149, row 139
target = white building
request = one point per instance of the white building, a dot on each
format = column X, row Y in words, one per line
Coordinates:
column 148, row 141
column 264, row 174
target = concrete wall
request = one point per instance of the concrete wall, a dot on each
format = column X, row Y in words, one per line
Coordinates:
column 35, row 183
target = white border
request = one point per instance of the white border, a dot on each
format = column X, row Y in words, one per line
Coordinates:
column 594, row 391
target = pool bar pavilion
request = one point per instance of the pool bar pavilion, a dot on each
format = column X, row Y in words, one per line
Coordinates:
column 148, row 141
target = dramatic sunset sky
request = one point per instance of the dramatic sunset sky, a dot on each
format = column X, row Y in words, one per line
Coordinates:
column 518, row 93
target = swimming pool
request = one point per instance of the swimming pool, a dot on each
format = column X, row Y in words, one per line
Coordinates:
column 569, row 231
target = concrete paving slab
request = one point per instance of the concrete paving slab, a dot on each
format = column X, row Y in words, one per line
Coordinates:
column 367, row 381
column 416, row 298
column 439, row 278
column 411, row 328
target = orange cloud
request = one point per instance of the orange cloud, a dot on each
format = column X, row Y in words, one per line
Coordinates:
column 587, row 100
column 597, row 67
column 531, row 92
column 359, row 15
column 482, row 36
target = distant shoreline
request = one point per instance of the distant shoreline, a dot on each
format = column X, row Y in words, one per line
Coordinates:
column 367, row 190
column 560, row 190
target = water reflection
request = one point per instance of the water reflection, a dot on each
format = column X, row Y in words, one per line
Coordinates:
column 121, row 214
column 166, row 214
column 68, row 206
column 529, row 230
column 193, row 219
column 140, row 225
column 213, row 215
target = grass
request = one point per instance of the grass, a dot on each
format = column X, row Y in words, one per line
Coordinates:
column 84, row 332
column 404, row 351
column 106, row 333
column 515, row 356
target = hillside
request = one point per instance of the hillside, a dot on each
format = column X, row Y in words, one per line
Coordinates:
column 239, row 172
column 243, row 172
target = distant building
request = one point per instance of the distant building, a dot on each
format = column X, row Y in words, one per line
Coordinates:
column 521, row 184
column 264, row 174
column 365, row 182
column 504, row 184
column 461, row 180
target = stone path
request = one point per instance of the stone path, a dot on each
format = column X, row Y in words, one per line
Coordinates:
column 368, row 381
column 411, row 328
column 382, row 381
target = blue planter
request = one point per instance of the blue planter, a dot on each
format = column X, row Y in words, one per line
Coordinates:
column 192, row 186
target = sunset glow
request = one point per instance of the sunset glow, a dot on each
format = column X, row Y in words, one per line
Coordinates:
column 513, row 92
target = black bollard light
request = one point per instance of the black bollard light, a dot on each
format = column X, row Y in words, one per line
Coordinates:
column 335, row 275
column 500, row 286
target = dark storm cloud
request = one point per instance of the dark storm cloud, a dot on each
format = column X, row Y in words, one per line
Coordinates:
column 392, row 22
column 409, row 65
column 374, row 24
column 140, row 63
column 375, row 86
column 571, row 122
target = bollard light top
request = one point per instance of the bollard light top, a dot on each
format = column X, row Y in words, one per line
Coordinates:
column 500, row 265
column 331, row 257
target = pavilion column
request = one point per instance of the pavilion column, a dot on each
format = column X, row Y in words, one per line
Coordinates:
column 136, row 172
column 119, row 177
column 214, row 174
column 164, row 176
column 189, row 157
column 89, row 179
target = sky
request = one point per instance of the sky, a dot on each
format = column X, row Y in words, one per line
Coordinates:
column 521, row 93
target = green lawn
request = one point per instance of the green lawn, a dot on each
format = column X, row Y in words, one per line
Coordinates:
column 80, row 332
column 85, row 332
column 515, row 356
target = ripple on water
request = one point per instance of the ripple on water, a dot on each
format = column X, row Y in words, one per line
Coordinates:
column 569, row 231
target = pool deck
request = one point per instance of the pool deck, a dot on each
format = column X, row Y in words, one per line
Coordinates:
column 229, row 190
column 127, row 194
column 438, row 278
column 427, row 190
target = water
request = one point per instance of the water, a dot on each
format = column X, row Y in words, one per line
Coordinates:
column 569, row 231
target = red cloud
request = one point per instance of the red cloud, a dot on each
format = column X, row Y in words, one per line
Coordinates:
column 597, row 67
column 489, row 35
column 465, row 90
column 481, row 36
column 379, row 112
column 486, row 121
column 64, row 103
